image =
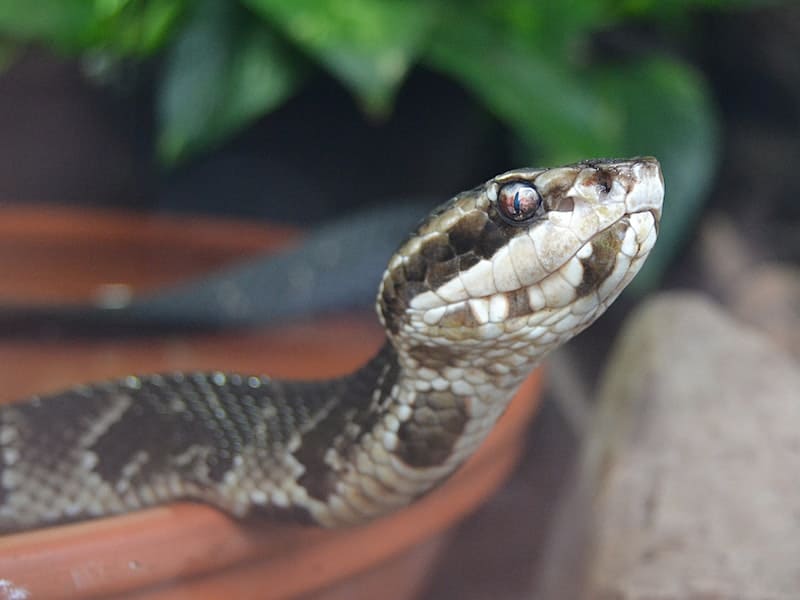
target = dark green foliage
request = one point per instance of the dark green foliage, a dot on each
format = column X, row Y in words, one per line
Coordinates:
column 227, row 63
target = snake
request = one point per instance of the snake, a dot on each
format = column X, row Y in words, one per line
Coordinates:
column 480, row 292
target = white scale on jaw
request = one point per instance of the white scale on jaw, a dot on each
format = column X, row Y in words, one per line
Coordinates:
column 535, row 256
column 544, row 288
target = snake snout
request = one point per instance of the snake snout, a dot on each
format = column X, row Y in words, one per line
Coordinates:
column 647, row 189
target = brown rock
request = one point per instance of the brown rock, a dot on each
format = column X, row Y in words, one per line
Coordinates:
column 690, row 483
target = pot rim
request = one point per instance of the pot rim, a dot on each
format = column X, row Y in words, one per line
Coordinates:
column 97, row 559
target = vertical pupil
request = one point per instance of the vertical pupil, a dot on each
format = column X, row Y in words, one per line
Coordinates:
column 518, row 201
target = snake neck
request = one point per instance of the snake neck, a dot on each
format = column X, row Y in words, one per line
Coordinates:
column 391, row 431
column 406, row 425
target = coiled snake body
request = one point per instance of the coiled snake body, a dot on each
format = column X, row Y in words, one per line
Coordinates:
column 488, row 284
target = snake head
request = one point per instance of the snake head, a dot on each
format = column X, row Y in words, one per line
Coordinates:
column 523, row 262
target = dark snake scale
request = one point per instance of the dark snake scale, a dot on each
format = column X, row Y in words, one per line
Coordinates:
column 487, row 285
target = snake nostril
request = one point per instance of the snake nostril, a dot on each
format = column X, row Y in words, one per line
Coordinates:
column 601, row 179
column 604, row 181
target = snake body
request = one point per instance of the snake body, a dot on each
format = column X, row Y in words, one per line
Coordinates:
column 487, row 285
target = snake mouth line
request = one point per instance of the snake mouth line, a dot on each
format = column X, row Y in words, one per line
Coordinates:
column 595, row 261
column 624, row 220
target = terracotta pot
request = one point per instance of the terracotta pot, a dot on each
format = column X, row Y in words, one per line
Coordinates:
column 188, row 550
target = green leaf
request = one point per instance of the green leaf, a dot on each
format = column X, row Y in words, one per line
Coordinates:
column 368, row 44
column 659, row 8
column 61, row 22
column 123, row 27
column 551, row 27
column 668, row 114
column 545, row 102
column 137, row 28
column 8, row 52
column 223, row 72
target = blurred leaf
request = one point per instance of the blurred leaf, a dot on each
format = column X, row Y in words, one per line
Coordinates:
column 127, row 27
column 138, row 27
column 543, row 101
column 62, row 22
column 223, row 72
column 368, row 44
column 552, row 27
column 659, row 8
column 668, row 114
column 8, row 51
column 521, row 59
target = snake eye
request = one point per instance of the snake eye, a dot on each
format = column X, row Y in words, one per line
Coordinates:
column 518, row 202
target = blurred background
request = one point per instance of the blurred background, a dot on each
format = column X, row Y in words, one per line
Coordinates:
column 292, row 114
column 298, row 112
